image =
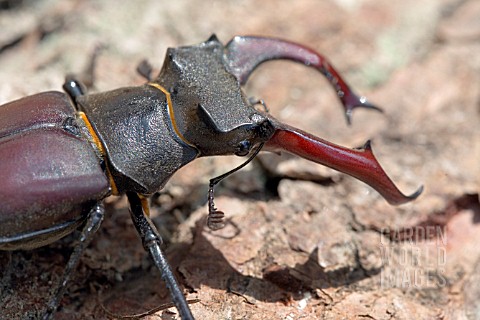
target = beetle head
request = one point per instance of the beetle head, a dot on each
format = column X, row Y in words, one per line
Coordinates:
column 211, row 113
column 209, row 109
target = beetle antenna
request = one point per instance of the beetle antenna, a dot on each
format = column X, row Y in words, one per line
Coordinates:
column 215, row 219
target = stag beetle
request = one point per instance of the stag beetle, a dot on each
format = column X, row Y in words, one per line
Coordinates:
column 61, row 155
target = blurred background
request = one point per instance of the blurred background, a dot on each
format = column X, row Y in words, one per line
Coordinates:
column 303, row 242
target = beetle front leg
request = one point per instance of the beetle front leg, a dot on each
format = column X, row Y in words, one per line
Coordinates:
column 94, row 219
column 151, row 242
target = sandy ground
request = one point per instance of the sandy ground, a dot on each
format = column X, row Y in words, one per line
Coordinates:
column 303, row 241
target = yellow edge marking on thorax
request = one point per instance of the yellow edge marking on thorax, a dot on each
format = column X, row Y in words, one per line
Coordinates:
column 170, row 112
column 100, row 147
column 145, row 205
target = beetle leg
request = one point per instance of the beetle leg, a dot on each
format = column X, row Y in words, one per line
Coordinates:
column 254, row 101
column 94, row 219
column 88, row 73
column 244, row 54
column 74, row 88
column 145, row 69
column 152, row 240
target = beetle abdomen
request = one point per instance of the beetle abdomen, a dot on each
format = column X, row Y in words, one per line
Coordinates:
column 50, row 174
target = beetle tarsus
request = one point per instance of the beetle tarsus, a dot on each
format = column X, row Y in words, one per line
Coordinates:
column 151, row 241
column 93, row 222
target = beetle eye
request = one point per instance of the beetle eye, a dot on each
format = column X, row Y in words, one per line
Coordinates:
column 243, row 148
